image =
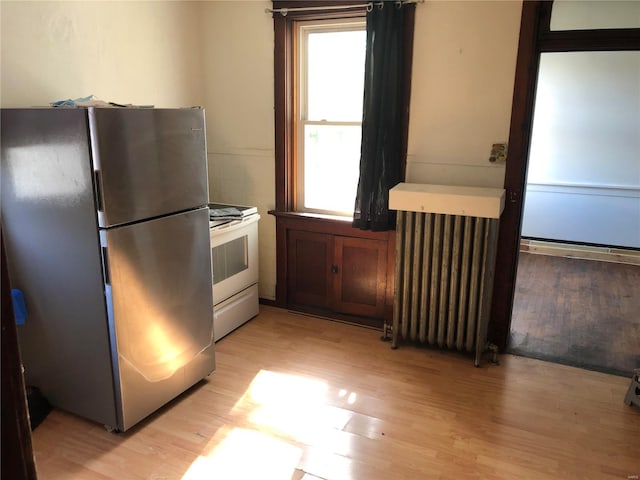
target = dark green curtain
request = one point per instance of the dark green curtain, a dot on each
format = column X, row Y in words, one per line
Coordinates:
column 381, row 149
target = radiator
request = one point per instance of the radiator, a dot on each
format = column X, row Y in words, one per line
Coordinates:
column 444, row 280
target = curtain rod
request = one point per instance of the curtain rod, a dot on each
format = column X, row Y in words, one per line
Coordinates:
column 368, row 6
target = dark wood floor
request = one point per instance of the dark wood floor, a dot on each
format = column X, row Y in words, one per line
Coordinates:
column 577, row 312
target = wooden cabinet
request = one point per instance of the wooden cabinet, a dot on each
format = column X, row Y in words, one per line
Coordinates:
column 359, row 276
column 327, row 267
column 309, row 263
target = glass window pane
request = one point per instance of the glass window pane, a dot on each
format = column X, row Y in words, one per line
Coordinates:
column 331, row 169
column 586, row 15
column 335, row 75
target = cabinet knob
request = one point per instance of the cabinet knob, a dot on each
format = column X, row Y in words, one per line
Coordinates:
column 334, row 268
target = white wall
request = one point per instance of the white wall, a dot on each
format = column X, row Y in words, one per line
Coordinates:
column 584, row 164
column 463, row 73
column 220, row 54
column 595, row 14
column 126, row 52
column 461, row 92
column 238, row 74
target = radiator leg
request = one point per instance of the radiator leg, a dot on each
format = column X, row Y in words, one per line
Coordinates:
column 494, row 354
column 633, row 394
column 386, row 329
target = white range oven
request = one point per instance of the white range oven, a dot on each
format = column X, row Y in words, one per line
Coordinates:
column 234, row 257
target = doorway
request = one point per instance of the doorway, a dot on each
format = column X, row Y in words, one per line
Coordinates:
column 576, row 298
column 549, row 36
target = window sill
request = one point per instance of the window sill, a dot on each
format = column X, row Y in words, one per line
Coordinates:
column 306, row 215
column 331, row 224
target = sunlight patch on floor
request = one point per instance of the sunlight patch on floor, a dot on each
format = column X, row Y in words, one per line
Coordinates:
column 287, row 424
column 270, row 388
column 247, row 454
column 351, row 397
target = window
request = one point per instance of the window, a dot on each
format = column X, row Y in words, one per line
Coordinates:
column 329, row 68
column 317, row 16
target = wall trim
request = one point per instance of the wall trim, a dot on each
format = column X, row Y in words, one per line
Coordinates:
column 627, row 191
column 584, row 252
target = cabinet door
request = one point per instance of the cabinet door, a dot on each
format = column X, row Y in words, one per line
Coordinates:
column 309, row 260
column 360, row 276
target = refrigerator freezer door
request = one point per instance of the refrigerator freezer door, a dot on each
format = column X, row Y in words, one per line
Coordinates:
column 148, row 162
column 161, row 306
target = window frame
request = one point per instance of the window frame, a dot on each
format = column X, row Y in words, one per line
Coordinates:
column 302, row 29
column 284, row 45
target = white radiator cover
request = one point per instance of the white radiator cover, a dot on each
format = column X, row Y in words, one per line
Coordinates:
column 445, row 262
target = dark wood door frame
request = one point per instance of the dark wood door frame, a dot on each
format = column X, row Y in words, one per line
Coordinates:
column 535, row 38
column 515, row 174
column 17, row 451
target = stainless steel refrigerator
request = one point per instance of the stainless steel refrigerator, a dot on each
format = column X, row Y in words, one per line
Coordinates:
column 106, row 228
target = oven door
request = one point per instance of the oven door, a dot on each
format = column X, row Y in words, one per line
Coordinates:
column 234, row 257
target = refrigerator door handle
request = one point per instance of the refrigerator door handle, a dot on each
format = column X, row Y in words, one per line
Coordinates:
column 105, row 266
column 98, row 186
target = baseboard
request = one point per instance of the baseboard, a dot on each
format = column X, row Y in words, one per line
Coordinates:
column 267, row 301
column 585, row 252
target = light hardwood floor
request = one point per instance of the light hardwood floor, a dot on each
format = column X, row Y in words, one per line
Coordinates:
column 297, row 397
